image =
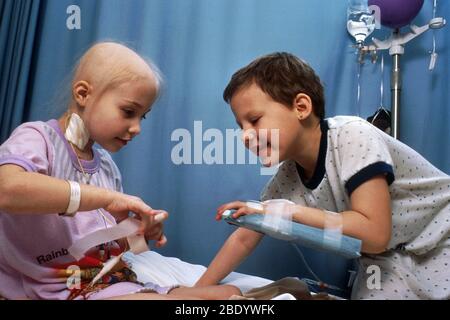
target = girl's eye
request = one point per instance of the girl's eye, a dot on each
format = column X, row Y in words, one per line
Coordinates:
column 128, row 112
column 144, row 117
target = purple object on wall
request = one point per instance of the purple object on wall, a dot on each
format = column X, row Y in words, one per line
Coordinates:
column 397, row 13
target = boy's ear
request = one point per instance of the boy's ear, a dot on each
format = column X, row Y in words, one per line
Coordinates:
column 302, row 105
column 81, row 92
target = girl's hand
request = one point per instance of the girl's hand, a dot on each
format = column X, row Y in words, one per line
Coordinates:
column 151, row 226
column 242, row 208
column 122, row 204
column 154, row 228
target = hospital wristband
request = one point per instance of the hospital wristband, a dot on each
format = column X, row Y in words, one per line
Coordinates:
column 75, row 199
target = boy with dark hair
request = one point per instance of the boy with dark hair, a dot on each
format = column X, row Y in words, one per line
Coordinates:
column 383, row 192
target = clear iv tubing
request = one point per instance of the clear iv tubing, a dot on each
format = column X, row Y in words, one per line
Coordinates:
column 434, row 32
column 382, row 82
column 304, row 261
column 358, row 91
column 317, row 282
column 381, row 89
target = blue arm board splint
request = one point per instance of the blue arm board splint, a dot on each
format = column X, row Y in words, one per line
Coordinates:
column 301, row 234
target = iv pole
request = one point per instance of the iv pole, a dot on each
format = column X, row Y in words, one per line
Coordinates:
column 395, row 44
column 396, row 89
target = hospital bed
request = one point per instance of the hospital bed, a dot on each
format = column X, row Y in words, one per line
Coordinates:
column 167, row 271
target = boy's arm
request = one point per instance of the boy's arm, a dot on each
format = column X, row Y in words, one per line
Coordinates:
column 237, row 247
column 370, row 217
column 369, row 220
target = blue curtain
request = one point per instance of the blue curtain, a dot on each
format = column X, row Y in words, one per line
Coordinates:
column 198, row 44
column 19, row 20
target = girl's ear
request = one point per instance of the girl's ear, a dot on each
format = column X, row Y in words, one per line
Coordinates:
column 302, row 105
column 81, row 91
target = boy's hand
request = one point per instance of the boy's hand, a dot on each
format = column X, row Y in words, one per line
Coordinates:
column 242, row 208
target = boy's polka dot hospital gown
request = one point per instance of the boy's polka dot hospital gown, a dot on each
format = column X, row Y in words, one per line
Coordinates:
column 352, row 151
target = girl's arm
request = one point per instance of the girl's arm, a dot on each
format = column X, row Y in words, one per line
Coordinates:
column 23, row 192
column 237, row 247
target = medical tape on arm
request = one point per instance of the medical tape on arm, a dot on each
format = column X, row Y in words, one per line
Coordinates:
column 332, row 231
column 255, row 205
column 278, row 215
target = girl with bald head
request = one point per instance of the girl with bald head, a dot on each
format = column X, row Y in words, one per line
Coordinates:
column 55, row 188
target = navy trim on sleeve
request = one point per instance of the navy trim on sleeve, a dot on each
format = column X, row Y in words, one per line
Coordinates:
column 368, row 173
column 319, row 170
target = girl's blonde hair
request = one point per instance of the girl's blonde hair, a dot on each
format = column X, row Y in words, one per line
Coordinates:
column 114, row 70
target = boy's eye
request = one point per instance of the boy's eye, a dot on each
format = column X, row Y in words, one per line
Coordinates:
column 255, row 120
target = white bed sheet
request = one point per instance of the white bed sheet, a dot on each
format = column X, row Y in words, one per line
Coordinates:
column 153, row 267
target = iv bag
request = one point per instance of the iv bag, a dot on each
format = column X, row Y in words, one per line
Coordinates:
column 360, row 20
